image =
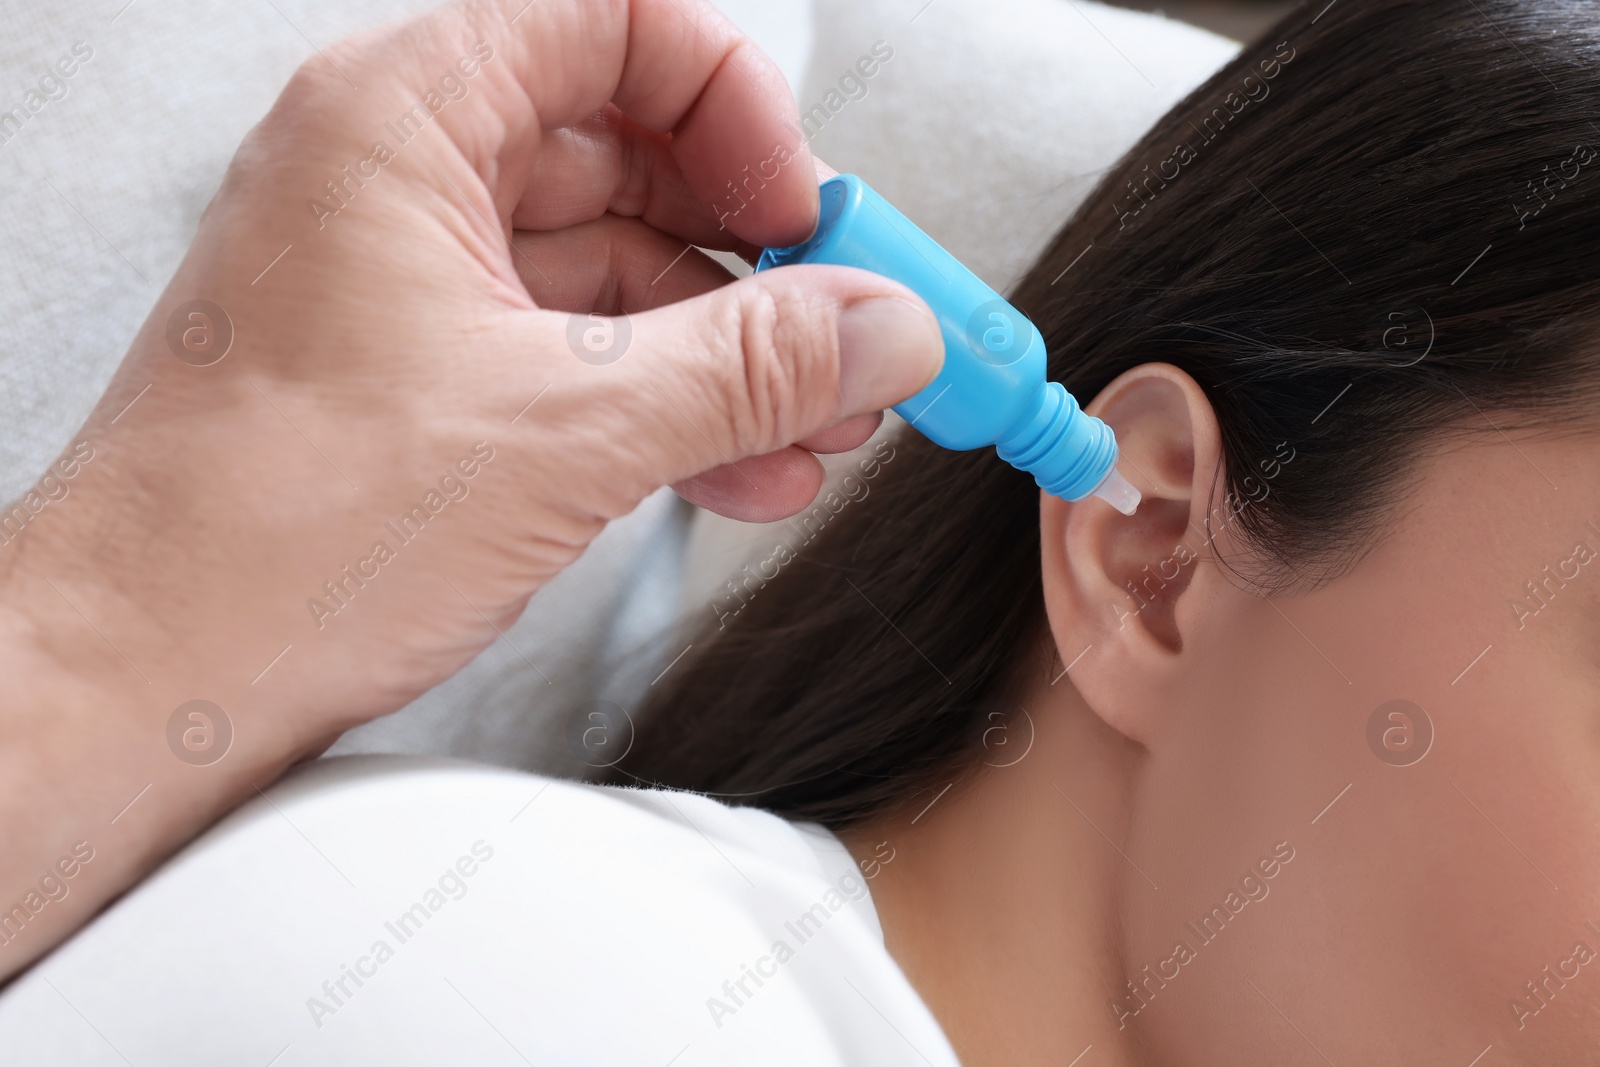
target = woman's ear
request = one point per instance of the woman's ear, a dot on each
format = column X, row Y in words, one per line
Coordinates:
column 1124, row 592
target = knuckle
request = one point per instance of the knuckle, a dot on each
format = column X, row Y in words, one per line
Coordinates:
column 786, row 361
column 307, row 86
column 306, row 111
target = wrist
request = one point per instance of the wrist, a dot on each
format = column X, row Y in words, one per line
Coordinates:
column 90, row 780
column 102, row 596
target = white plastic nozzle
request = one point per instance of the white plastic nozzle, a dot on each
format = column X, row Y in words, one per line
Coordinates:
column 1117, row 491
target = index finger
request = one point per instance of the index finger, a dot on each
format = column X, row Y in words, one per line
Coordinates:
column 677, row 67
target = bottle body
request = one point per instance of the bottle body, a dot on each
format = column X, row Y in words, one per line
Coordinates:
column 992, row 388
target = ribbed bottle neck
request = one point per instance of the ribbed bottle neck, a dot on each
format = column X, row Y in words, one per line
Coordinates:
column 1068, row 452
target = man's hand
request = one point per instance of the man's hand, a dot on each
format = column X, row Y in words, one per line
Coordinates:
column 365, row 422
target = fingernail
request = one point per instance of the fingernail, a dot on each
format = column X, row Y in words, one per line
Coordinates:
column 889, row 349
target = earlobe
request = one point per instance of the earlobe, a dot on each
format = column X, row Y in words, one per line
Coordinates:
column 1122, row 591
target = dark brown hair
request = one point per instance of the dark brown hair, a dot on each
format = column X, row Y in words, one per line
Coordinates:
column 1379, row 223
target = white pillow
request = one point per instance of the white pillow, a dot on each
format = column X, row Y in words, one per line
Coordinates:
column 992, row 121
column 987, row 125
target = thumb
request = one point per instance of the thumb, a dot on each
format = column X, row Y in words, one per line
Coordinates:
column 756, row 365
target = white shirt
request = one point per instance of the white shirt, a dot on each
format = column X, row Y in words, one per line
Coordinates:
column 400, row 911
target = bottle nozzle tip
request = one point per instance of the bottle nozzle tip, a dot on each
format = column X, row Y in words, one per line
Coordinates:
column 1117, row 491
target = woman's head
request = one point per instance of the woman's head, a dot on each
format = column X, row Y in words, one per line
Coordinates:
column 1342, row 307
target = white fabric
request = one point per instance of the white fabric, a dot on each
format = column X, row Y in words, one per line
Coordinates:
column 994, row 120
column 550, row 923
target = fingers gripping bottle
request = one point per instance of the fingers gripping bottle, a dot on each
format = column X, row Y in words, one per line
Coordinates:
column 992, row 389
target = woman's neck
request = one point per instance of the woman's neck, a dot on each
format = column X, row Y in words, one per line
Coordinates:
column 998, row 900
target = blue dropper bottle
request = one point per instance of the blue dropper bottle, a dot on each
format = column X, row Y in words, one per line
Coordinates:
column 992, row 389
